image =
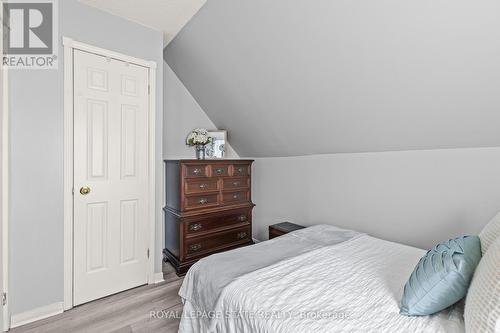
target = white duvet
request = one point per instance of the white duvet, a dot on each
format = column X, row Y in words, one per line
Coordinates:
column 354, row 286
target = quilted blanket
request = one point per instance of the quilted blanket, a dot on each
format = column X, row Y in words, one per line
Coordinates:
column 354, row 286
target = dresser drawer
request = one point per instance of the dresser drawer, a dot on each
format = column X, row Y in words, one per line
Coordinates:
column 220, row 170
column 200, row 245
column 235, row 183
column 201, row 201
column 235, row 197
column 241, row 169
column 230, row 219
column 201, row 185
column 193, row 171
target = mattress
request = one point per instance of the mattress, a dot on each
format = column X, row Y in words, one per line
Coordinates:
column 350, row 284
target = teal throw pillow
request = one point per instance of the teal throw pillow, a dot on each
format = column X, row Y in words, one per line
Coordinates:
column 442, row 277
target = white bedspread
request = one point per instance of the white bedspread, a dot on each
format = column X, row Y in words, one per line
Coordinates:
column 354, row 286
column 206, row 279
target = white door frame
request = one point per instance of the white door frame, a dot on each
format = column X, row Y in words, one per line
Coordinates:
column 4, row 250
column 4, row 195
column 69, row 46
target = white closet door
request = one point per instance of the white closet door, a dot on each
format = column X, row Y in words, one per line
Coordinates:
column 110, row 176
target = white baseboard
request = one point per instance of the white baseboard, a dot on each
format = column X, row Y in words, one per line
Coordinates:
column 158, row 277
column 36, row 314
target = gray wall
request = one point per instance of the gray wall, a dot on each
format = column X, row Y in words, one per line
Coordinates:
column 296, row 77
column 413, row 197
column 36, row 110
column 301, row 77
column 181, row 115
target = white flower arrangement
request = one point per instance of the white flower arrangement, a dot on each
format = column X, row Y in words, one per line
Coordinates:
column 198, row 136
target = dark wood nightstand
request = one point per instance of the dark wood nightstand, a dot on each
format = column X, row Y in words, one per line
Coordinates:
column 279, row 229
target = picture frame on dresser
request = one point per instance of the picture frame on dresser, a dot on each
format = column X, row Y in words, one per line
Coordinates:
column 217, row 147
column 208, row 209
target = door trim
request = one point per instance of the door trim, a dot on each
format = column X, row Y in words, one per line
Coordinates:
column 5, row 198
column 4, row 194
column 69, row 46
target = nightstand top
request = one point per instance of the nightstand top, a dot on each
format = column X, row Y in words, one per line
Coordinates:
column 287, row 226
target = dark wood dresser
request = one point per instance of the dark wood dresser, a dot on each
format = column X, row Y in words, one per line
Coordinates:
column 209, row 209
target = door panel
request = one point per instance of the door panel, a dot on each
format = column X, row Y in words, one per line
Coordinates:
column 97, row 226
column 111, row 161
column 97, row 113
column 128, row 241
column 129, row 141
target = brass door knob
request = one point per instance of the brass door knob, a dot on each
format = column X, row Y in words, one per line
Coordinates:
column 85, row 190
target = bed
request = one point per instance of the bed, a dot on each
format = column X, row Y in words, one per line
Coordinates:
column 318, row 279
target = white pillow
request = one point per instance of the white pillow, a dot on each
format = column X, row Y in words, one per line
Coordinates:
column 490, row 233
column 482, row 304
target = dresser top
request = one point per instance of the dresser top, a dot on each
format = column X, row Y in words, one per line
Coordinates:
column 219, row 160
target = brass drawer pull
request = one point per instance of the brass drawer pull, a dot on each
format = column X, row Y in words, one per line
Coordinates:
column 203, row 201
column 235, row 196
column 242, row 235
column 239, row 170
column 203, row 186
column 219, row 171
column 196, row 171
column 242, row 218
column 195, row 247
column 195, row 226
column 236, row 184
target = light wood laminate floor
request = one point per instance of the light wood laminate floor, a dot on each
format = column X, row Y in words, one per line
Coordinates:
column 126, row 312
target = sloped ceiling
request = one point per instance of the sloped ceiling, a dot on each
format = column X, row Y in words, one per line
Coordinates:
column 297, row 77
column 168, row 16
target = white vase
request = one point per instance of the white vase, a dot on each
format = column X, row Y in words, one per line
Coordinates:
column 200, row 152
